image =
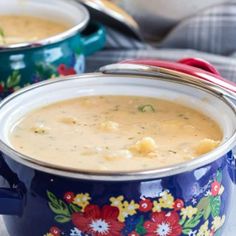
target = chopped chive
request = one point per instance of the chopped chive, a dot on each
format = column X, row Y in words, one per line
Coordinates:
column 171, row 151
column 2, row 35
column 146, row 108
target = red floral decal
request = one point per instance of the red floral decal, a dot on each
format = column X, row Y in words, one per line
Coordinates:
column 178, row 204
column 55, row 231
column 212, row 232
column 98, row 222
column 64, row 70
column 1, row 88
column 215, row 188
column 69, row 197
column 145, row 205
column 163, row 224
column 133, row 233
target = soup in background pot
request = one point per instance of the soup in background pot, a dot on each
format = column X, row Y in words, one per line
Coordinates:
column 24, row 28
column 115, row 133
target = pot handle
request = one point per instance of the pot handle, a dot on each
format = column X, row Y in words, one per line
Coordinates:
column 196, row 67
column 93, row 38
column 11, row 199
column 201, row 64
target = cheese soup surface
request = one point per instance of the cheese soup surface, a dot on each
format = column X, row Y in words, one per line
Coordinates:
column 24, row 28
column 115, row 133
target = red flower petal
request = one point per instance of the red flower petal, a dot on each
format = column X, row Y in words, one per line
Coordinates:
column 92, row 215
column 176, row 230
column 178, row 204
column 212, row 232
column 158, row 217
column 172, row 217
column 116, row 226
column 145, row 205
column 109, row 212
column 61, row 69
column 150, row 226
column 151, row 234
column 1, row 88
column 215, row 188
column 92, row 211
column 69, row 197
column 133, row 233
column 70, row 71
column 80, row 221
column 55, row 231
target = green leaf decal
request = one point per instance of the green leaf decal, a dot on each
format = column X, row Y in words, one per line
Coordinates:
column 181, row 222
column 207, row 212
column 204, row 203
column 55, row 208
column 13, row 80
column 186, row 231
column 139, row 227
column 215, row 206
column 58, row 207
column 51, row 197
column 62, row 219
column 45, row 71
column 219, row 176
column 193, row 222
column 75, row 208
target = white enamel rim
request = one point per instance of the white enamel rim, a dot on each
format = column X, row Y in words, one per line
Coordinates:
column 79, row 18
column 116, row 176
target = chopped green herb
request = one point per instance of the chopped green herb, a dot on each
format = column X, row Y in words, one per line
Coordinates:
column 39, row 131
column 183, row 116
column 171, row 151
column 116, row 108
column 2, row 35
column 146, row 108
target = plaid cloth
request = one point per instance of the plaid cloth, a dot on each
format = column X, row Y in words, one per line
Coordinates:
column 210, row 35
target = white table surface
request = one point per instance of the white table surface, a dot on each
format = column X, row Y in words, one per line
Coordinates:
column 230, row 229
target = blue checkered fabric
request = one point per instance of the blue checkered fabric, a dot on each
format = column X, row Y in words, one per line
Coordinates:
column 210, row 34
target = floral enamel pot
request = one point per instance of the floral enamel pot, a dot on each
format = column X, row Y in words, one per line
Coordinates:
column 63, row 54
column 192, row 198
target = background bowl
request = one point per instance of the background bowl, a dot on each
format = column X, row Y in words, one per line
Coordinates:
column 60, row 55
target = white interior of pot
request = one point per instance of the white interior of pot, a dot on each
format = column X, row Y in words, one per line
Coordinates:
column 201, row 100
column 56, row 10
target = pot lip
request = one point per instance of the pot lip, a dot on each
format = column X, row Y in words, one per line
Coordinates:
column 55, row 38
column 167, row 171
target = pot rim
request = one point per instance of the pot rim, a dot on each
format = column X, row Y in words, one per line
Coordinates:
column 72, row 31
column 119, row 176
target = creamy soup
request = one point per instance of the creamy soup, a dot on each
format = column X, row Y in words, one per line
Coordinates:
column 115, row 133
column 20, row 28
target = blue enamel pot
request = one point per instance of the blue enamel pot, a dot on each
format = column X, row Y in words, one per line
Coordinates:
column 191, row 198
column 59, row 55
